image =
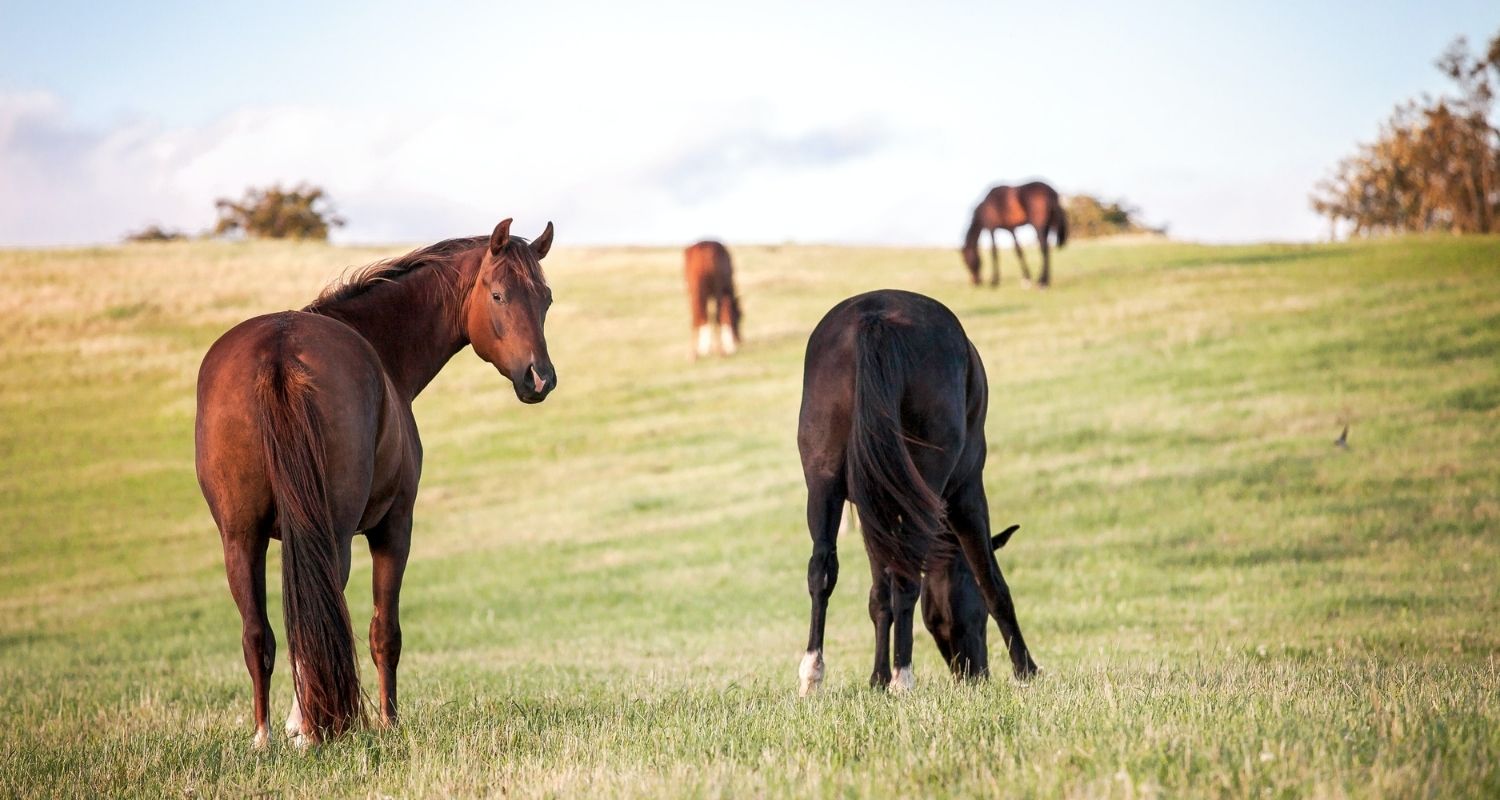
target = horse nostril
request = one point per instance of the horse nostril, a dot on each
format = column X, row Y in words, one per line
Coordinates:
column 536, row 379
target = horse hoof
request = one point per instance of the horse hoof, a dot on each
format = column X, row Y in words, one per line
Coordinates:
column 302, row 741
column 810, row 673
column 902, row 682
column 262, row 739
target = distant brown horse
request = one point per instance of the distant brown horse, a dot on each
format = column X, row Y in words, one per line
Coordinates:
column 710, row 278
column 305, row 434
column 894, row 398
column 1009, row 207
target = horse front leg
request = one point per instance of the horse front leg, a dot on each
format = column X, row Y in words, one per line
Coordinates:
column 825, row 499
column 994, row 257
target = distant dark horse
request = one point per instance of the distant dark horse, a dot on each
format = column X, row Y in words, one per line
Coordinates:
column 710, row 277
column 1010, row 207
column 893, row 406
column 305, row 434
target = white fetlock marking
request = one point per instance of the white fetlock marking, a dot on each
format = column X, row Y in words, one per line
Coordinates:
column 705, row 340
column 294, row 717
column 262, row 739
column 302, row 741
column 726, row 340
column 810, row 672
column 902, row 681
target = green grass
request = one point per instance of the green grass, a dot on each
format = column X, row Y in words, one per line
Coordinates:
column 607, row 594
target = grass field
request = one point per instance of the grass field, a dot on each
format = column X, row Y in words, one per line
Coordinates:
column 607, row 592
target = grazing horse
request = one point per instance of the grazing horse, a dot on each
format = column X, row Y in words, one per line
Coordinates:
column 710, row 276
column 893, row 405
column 305, row 434
column 1010, row 207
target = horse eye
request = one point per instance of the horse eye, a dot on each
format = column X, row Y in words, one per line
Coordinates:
column 497, row 297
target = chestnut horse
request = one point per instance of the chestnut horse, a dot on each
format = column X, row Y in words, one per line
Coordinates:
column 710, row 277
column 893, row 405
column 305, row 434
column 1009, row 207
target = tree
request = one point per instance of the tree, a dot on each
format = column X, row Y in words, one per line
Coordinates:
column 154, row 233
column 302, row 212
column 1435, row 165
column 1090, row 216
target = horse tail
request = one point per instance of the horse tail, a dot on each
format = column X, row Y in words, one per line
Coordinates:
column 1062, row 226
column 325, row 675
column 900, row 514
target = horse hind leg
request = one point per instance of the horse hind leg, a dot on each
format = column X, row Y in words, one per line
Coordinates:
column 727, row 343
column 994, row 257
column 245, row 565
column 904, row 592
column 1046, row 258
column 825, row 499
column 390, row 544
column 1021, row 256
column 881, row 616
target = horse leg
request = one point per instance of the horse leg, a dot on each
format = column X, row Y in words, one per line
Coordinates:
column 727, row 344
column 969, row 516
column 825, row 499
column 245, row 564
column 390, row 544
column 904, row 593
column 1021, row 256
column 994, row 257
column 880, row 615
column 1046, row 258
column 698, row 308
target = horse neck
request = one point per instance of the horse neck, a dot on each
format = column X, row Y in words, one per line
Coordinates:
column 971, row 237
column 414, row 322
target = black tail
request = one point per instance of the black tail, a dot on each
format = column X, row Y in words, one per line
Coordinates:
column 319, row 637
column 1062, row 226
column 900, row 513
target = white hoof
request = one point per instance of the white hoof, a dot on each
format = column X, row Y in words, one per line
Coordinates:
column 302, row 741
column 262, row 739
column 727, row 344
column 902, row 681
column 705, row 340
column 810, row 673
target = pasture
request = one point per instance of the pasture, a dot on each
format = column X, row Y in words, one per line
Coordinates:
column 607, row 596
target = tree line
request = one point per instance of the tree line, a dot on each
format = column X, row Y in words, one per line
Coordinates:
column 1435, row 165
column 300, row 212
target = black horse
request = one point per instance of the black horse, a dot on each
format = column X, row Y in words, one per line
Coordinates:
column 893, row 404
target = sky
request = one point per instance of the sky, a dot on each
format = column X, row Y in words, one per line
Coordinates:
column 662, row 123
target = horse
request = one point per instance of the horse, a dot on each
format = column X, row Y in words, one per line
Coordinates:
column 710, row 276
column 894, row 397
column 952, row 611
column 1009, row 207
column 305, row 434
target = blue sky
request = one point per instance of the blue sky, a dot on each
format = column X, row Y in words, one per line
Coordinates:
column 660, row 123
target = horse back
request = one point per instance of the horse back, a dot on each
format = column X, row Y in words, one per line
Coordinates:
column 708, row 268
column 941, row 399
column 366, row 431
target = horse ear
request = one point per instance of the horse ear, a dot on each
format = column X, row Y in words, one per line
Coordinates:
column 541, row 244
column 1003, row 536
column 501, row 237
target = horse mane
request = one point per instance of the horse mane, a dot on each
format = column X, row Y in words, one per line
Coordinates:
column 517, row 258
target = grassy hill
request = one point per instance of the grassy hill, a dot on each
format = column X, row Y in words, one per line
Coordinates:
column 607, row 593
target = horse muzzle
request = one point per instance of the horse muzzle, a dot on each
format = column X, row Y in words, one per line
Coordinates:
column 535, row 383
